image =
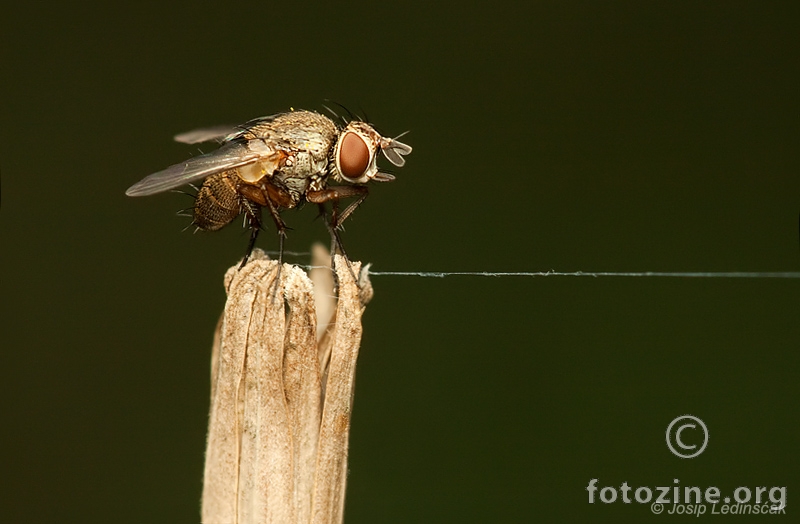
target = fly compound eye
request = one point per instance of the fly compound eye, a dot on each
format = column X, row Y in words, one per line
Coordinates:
column 354, row 156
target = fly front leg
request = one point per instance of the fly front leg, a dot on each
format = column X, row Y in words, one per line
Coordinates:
column 336, row 244
column 333, row 195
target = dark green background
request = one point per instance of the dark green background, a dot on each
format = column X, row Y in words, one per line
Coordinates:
column 592, row 136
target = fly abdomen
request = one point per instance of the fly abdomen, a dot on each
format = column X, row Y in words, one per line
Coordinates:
column 217, row 203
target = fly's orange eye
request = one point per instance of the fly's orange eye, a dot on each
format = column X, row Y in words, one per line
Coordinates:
column 353, row 156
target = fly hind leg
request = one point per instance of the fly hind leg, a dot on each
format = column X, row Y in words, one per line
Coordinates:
column 253, row 213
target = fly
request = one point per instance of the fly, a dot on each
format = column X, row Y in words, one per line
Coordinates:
column 279, row 162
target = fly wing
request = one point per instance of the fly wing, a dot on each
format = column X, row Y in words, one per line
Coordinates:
column 206, row 134
column 221, row 133
column 229, row 156
column 224, row 133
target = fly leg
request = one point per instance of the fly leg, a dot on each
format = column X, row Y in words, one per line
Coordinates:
column 273, row 198
column 336, row 245
column 253, row 212
column 349, row 191
column 333, row 195
column 280, row 225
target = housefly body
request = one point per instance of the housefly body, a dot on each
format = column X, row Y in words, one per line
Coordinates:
column 279, row 162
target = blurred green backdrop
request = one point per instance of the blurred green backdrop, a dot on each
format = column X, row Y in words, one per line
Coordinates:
column 594, row 136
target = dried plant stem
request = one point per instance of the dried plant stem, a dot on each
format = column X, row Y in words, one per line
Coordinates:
column 282, row 395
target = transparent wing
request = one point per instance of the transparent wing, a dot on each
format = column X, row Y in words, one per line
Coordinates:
column 206, row 134
column 223, row 133
column 229, row 156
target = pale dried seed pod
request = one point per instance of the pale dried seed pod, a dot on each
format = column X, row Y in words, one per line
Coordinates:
column 280, row 413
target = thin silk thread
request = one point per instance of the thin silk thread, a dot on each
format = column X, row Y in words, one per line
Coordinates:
column 552, row 273
column 595, row 274
column 671, row 274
